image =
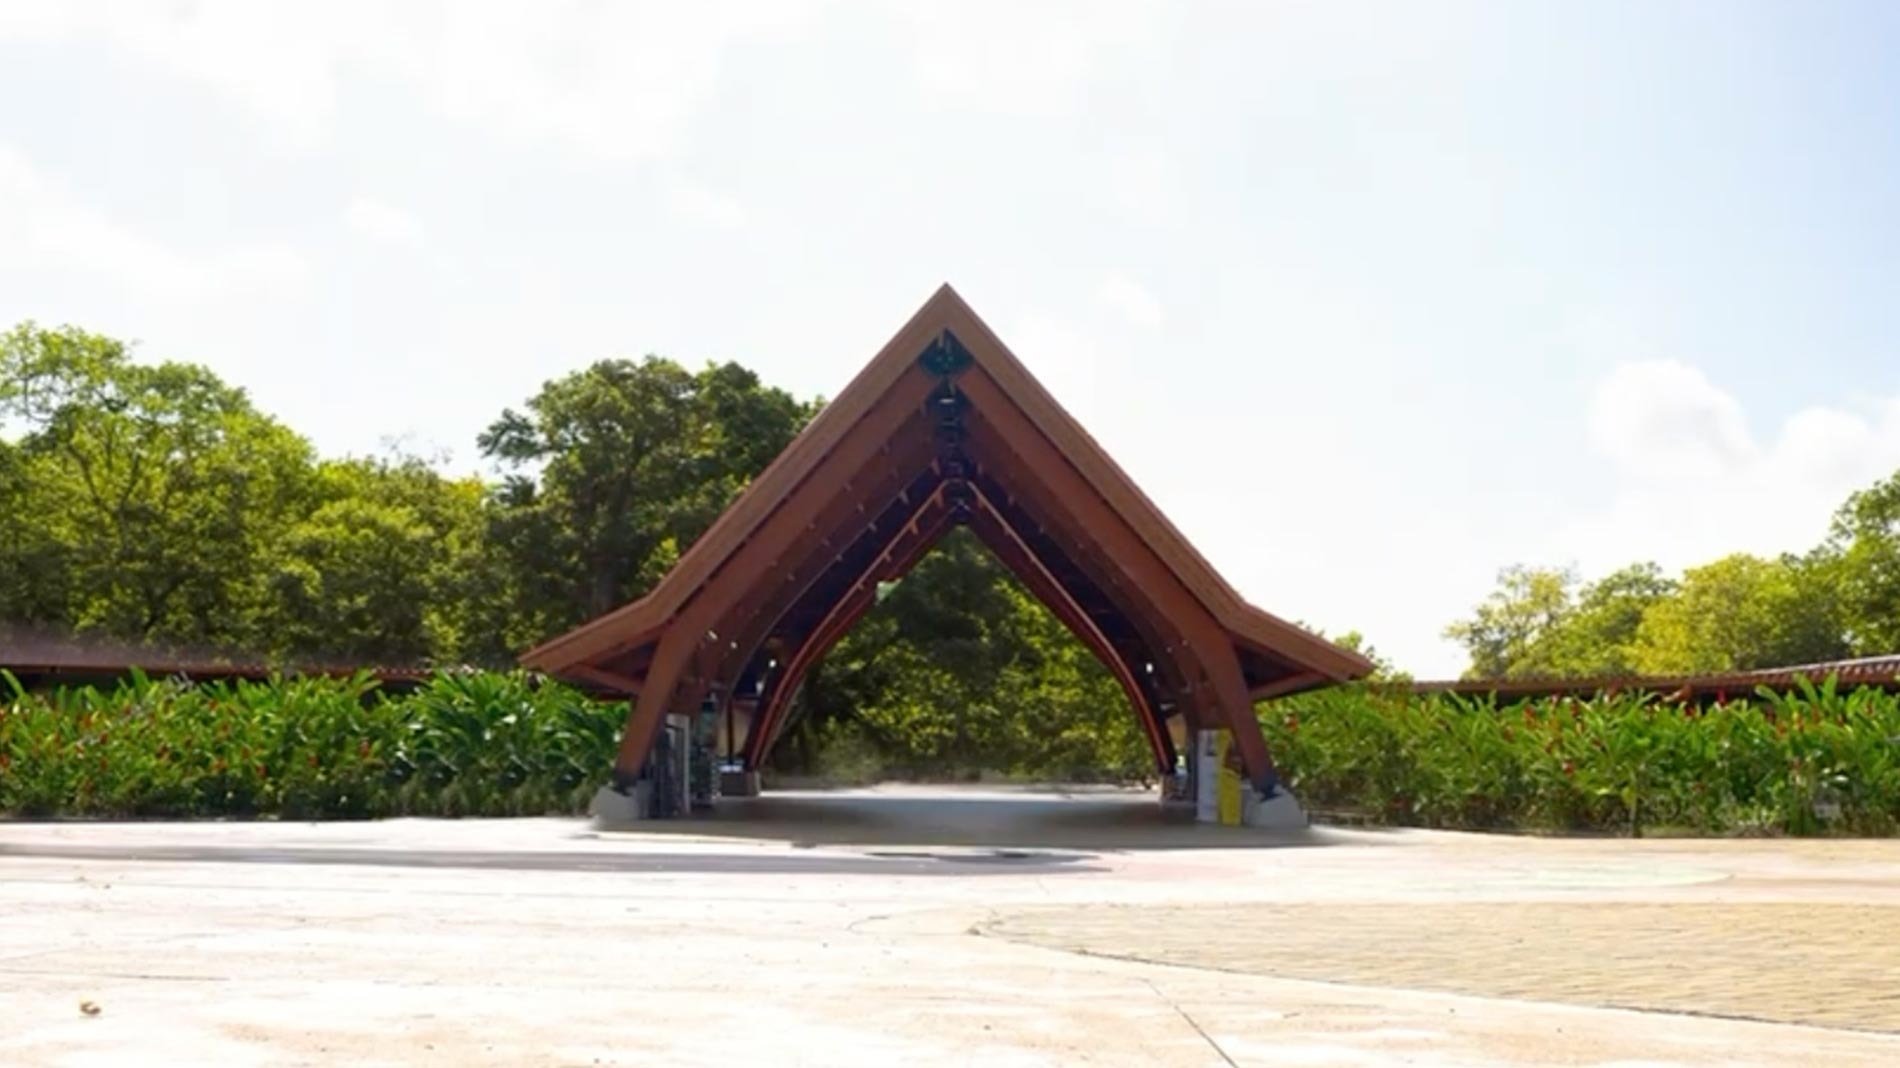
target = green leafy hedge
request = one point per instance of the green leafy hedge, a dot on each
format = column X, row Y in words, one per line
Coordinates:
column 466, row 744
column 1810, row 761
column 490, row 744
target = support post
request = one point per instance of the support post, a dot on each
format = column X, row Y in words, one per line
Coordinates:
column 1224, row 795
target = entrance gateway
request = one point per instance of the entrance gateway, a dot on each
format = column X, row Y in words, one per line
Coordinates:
column 944, row 428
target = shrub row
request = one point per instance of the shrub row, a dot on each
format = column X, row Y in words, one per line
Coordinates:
column 1810, row 761
column 488, row 744
column 465, row 744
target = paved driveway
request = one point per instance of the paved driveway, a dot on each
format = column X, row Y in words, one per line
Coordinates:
column 936, row 927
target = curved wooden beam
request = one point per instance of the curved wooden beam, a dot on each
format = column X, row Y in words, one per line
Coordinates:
column 916, row 538
column 1021, row 561
column 746, row 626
column 1150, row 645
column 1073, row 496
column 789, row 520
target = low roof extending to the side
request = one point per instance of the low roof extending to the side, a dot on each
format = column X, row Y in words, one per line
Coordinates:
column 944, row 427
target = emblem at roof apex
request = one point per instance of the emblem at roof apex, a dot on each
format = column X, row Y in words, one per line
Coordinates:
column 945, row 355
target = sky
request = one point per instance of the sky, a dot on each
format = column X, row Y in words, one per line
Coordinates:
column 1372, row 299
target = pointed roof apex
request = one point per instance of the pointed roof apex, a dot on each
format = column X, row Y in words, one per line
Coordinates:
column 1038, row 449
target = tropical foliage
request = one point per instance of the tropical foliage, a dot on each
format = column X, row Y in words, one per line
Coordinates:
column 465, row 744
column 1816, row 759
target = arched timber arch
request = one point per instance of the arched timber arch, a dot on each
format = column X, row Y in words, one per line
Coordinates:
column 944, row 427
column 902, row 555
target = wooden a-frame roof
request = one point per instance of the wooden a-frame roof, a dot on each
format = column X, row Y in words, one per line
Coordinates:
column 944, row 427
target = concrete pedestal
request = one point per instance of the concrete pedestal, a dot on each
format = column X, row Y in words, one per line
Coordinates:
column 611, row 808
column 1281, row 812
column 1223, row 795
column 738, row 784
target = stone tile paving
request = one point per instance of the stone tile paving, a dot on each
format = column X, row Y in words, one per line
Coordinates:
column 1830, row 965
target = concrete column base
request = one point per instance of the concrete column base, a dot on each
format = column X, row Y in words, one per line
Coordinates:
column 611, row 808
column 738, row 784
column 1281, row 812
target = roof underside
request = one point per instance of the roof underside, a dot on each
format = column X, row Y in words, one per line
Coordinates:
column 945, row 428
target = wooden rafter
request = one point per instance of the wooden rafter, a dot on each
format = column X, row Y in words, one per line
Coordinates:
column 785, row 566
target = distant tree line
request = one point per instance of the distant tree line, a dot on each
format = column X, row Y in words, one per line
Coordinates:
column 154, row 503
column 1839, row 599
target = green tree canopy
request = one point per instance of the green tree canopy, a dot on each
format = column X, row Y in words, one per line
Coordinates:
column 1866, row 542
column 156, row 490
column 614, row 470
column 1509, row 626
column 377, row 570
column 1737, row 613
column 1597, row 635
column 1743, row 612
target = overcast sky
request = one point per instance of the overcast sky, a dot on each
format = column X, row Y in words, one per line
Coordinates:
column 1373, row 300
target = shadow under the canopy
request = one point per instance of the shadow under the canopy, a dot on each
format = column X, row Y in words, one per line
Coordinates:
column 1097, row 820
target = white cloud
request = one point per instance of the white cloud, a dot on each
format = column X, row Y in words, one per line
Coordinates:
column 382, row 222
column 1132, row 302
column 44, row 225
column 1664, row 420
column 1693, row 482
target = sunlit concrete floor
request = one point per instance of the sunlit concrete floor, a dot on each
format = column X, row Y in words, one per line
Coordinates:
column 936, row 926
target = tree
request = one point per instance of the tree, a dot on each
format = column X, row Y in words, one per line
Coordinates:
column 1743, row 612
column 1528, row 605
column 374, row 572
column 1865, row 540
column 1597, row 636
column 613, row 470
column 160, row 486
column 33, row 565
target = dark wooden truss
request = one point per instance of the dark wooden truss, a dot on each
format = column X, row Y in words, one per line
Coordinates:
column 944, row 428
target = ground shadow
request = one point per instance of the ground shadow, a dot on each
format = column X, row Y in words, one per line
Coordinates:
column 1097, row 821
column 595, row 860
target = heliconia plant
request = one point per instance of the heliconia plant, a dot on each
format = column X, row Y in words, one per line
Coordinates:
column 463, row 744
column 1814, row 759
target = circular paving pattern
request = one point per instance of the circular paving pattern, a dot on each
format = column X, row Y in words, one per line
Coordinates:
column 1827, row 965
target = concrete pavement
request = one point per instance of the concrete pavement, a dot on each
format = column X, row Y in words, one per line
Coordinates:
column 935, row 927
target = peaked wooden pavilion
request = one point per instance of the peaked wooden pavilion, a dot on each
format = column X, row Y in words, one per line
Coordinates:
column 945, row 427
